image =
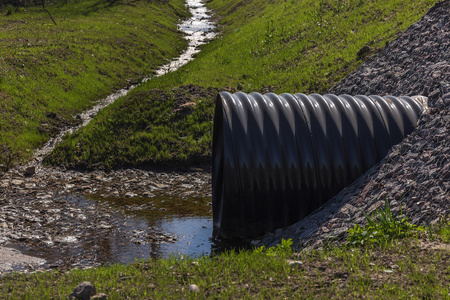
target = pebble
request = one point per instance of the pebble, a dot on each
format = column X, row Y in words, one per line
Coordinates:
column 294, row 263
column 29, row 171
column 193, row 288
column 83, row 291
column 100, row 296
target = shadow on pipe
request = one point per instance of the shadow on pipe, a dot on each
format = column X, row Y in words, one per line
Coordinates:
column 277, row 158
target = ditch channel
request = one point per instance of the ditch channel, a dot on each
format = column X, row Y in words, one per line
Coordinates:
column 53, row 218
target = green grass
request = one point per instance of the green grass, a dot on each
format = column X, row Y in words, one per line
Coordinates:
column 49, row 73
column 295, row 46
column 382, row 228
column 284, row 46
column 401, row 269
column 151, row 128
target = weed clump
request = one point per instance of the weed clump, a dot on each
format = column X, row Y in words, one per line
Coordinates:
column 281, row 250
column 382, row 228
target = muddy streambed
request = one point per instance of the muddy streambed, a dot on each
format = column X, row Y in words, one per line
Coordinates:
column 73, row 219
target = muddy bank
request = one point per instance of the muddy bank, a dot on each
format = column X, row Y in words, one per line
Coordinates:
column 416, row 173
column 11, row 259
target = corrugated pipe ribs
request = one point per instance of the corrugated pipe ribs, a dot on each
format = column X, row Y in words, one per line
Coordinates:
column 277, row 158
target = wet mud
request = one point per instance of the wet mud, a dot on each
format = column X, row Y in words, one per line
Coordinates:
column 76, row 219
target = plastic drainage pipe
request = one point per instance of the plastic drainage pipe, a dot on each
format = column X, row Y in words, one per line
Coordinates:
column 277, row 158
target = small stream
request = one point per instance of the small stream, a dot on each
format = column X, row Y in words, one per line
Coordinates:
column 78, row 224
column 198, row 30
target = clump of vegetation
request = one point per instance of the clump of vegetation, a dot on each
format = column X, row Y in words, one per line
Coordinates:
column 9, row 9
column 382, row 228
column 441, row 230
column 281, row 250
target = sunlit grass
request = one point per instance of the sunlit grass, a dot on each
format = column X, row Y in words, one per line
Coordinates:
column 96, row 48
column 295, row 46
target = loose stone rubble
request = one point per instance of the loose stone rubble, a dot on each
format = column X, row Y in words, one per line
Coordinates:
column 128, row 183
column 415, row 175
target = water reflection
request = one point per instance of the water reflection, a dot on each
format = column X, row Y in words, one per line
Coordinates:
column 194, row 236
column 99, row 231
column 149, row 227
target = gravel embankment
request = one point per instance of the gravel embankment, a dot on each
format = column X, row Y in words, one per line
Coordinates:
column 416, row 173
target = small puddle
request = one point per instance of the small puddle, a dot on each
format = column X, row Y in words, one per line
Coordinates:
column 163, row 226
column 129, row 229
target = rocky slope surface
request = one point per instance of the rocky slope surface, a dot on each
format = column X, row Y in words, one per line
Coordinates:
column 416, row 173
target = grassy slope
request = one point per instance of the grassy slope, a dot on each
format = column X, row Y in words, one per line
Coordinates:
column 48, row 73
column 296, row 46
column 145, row 129
column 288, row 46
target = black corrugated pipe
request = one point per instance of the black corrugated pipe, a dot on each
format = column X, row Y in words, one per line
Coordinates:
column 277, row 158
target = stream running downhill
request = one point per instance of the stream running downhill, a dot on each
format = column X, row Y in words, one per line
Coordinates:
column 64, row 219
column 198, row 30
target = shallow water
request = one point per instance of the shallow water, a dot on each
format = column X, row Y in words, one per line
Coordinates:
column 162, row 226
column 126, row 229
column 198, row 30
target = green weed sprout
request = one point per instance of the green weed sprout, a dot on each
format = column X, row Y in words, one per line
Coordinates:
column 281, row 250
column 382, row 228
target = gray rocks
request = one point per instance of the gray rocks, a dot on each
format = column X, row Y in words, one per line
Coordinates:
column 83, row 291
column 124, row 183
column 416, row 173
column 87, row 291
